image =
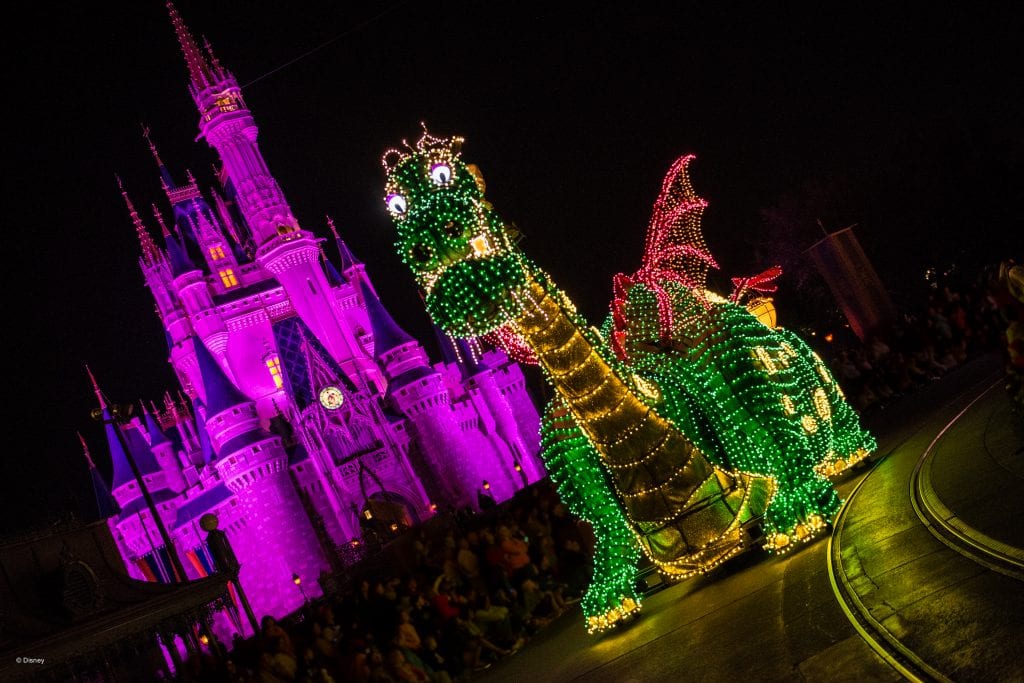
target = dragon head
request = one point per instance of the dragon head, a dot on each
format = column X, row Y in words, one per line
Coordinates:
column 461, row 253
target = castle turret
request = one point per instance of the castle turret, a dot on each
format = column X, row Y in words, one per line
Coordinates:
column 166, row 453
column 106, row 506
column 287, row 252
column 205, row 452
column 155, row 267
column 253, row 464
column 445, row 463
column 482, row 384
column 134, row 525
column 352, row 268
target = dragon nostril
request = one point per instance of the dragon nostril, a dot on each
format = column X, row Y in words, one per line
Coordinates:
column 453, row 229
column 421, row 253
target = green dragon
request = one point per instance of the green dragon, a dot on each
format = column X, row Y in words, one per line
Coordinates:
column 677, row 429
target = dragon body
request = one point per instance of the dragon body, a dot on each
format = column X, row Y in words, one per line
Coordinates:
column 681, row 423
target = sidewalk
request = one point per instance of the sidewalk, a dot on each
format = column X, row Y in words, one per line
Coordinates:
column 969, row 483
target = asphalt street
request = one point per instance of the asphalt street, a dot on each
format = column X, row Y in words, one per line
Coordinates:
column 796, row 617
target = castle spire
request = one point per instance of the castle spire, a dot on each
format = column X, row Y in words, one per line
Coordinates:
column 96, row 389
column 225, row 216
column 156, row 435
column 150, row 252
column 106, row 506
column 85, row 451
column 209, row 53
column 180, row 261
column 387, row 334
column 139, row 449
column 165, row 176
column 160, row 220
column 198, row 68
column 348, row 259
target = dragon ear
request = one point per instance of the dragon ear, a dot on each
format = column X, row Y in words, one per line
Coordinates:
column 474, row 170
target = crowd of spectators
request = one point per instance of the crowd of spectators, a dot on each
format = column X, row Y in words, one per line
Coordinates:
column 957, row 323
column 474, row 588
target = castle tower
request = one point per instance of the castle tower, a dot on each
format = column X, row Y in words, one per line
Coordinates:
column 166, row 453
column 447, row 466
column 502, row 388
column 134, row 528
column 289, row 253
column 483, row 390
column 253, row 464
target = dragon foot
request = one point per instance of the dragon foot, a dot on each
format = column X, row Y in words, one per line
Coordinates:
column 613, row 616
column 780, row 543
column 831, row 467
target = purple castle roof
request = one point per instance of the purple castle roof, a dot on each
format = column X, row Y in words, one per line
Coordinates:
column 386, row 332
column 156, row 435
column 180, row 261
column 202, row 503
column 470, row 365
column 348, row 260
column 106, row 506
column 243, row 440
column 221, row 394
column 205, row 446
column 161, row 496
column 445, row 343
column 140, row 452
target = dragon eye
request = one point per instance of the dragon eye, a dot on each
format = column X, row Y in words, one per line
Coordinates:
column 441, row 174
column 396, row 204
column 421, row 253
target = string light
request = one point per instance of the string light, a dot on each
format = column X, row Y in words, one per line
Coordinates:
column 681, row 420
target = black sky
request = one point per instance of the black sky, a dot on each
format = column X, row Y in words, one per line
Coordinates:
column 910, row 118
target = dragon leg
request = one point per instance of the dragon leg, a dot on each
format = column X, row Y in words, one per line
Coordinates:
column 575, row 467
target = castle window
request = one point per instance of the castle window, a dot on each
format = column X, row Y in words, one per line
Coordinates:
column 227, row 276
column 226, row 103
column 274, row 365
column 216, row 253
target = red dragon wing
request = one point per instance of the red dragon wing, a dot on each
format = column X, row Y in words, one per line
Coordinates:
column 675, row 242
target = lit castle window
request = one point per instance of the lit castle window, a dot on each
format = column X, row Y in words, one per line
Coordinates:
column 227, row 276
column 216, row 253
column 227, row 103
column 274, row 365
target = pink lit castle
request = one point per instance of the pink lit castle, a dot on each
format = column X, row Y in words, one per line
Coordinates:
column 306, row 419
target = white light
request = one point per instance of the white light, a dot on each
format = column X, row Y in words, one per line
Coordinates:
column 440, row 174
column 396, row 204
column 481, row 246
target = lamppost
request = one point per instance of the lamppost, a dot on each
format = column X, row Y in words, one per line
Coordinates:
column 519, row 468
column 225, row 560
column 119, row 414
column 297, row 580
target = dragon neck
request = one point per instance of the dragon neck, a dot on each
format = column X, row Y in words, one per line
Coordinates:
column 608, row 407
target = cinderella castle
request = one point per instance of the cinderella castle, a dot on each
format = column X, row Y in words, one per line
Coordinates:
column 306, row 418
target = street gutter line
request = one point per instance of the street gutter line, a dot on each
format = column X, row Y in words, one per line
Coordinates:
column 950, row 529
column 845, row 594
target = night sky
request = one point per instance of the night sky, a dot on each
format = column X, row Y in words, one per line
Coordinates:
column 907, row 123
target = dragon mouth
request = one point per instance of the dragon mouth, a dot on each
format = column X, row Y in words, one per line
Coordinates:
column 468, row 297
column 482, row 248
